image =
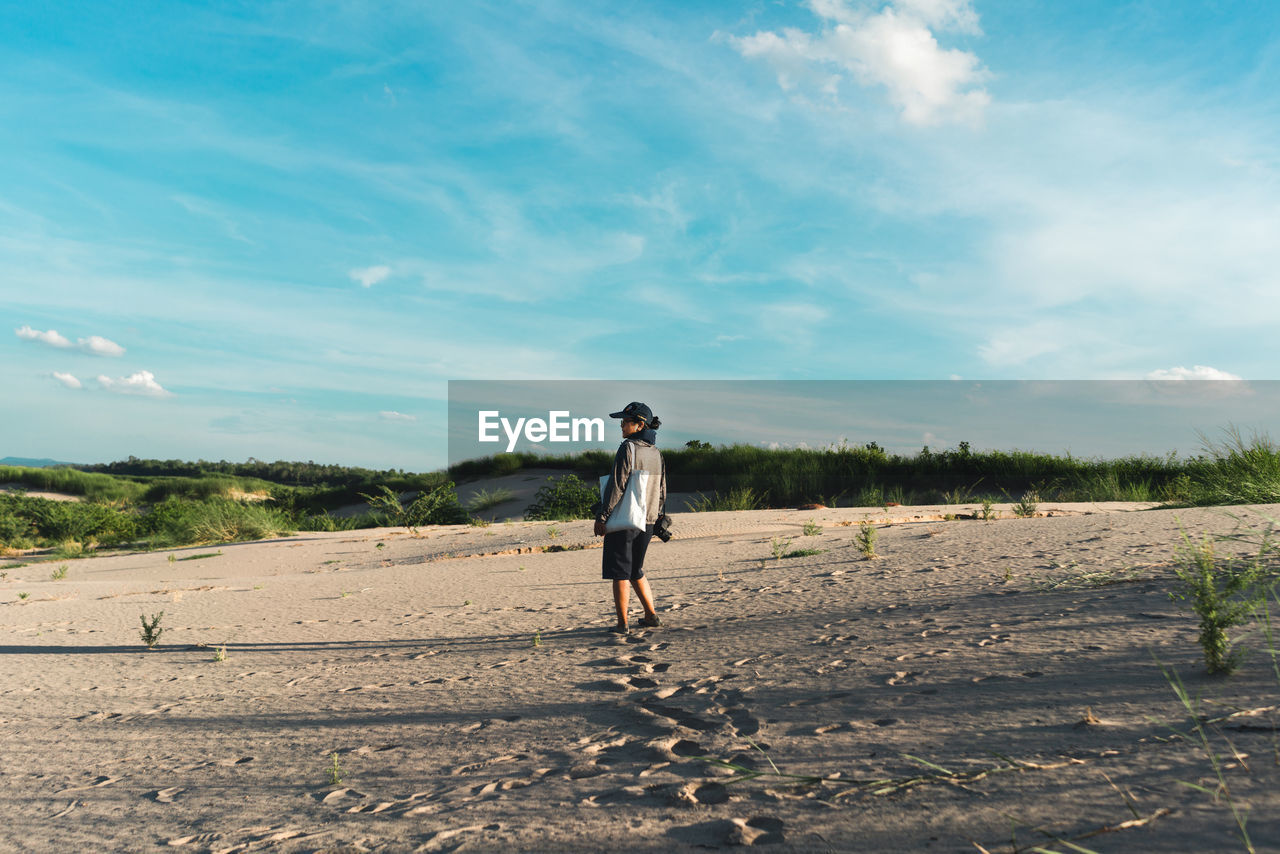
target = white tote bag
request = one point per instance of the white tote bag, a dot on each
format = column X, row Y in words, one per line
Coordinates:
column 631, row 514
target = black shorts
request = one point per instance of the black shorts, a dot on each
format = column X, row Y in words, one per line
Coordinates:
column 624, row 554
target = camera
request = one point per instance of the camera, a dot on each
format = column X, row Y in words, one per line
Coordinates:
column 662, row 528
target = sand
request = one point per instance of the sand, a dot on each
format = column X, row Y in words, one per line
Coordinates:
column 463, row 678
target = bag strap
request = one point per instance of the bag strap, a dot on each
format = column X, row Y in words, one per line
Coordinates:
column 662, row 505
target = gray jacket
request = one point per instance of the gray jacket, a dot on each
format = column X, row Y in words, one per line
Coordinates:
column 634, row 454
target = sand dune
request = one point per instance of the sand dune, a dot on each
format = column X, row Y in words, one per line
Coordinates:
column 463, row 680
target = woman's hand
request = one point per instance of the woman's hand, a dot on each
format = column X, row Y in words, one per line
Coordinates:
column 599, row 528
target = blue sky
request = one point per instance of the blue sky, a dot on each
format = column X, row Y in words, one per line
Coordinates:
column 277, row 229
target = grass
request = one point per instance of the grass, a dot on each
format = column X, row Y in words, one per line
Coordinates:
column 870, row 476
column 220, row 653
column 485, row 499
column 218, row 553
column 738, row 498
column 178, row 522
column 779, row 545
column 1026, row 506
column 1239, row 812
column 59, row 573
column 335, row 771
column 812, row 529
column 1077, row 578
column 847, row 786
column 1235, row 471
column 803, row 553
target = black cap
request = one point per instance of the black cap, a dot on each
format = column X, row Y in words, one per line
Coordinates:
column 635, row 411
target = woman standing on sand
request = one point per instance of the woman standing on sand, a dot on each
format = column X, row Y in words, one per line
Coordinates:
column 623, row 559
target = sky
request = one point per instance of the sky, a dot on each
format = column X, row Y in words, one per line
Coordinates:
column 278, row 229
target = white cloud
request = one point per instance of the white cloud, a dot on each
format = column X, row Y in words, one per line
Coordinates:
column 95, row 344
column 67, row 380
column 894, row 48
column 52, row 338
column 140, row 383
column 1198, row 372
column 99, row 346
column 369, row 276
column 392, row 415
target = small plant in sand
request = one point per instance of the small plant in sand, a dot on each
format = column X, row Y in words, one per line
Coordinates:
column 779, row 546
column 1027, row 505
column 151, row 630
column 380, row 546
column 59, row 573
column 812, row 529
column 172, row 558
column 335, row 771
column 1222, row 592
column 867, row 540
column 537, row 638
column 987, row 513
column 477, row 522
column 466, row 602
column 23, row 595
column 220, row 653
column 553, row 532
column 803, row 552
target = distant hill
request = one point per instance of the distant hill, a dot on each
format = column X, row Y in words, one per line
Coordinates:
column 27, row 461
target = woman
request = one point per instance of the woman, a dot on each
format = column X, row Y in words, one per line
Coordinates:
column 623, row 560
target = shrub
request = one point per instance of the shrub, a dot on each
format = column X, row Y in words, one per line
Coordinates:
column 437, row 507
column 563, row 499
column 24, row 519
column 219, row 520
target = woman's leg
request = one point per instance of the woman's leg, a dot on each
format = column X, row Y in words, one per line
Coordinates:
column 620, row 599
column 644, row 594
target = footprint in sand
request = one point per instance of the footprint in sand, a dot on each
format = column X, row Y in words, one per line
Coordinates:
column 904, row 677
column 485, row 763
column 743, row 721
column 166, row 796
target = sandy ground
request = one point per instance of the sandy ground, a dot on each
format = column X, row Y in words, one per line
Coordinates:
column 464, row 681
column 23, row 489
